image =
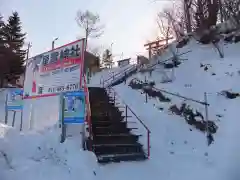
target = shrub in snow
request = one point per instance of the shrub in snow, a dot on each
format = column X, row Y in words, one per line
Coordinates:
column 174, row 109
column 229, row 38
column 237, row 38
column 229, row 95
column 206, row 39
column 182, row 42
column 137, row 84
column 172, row 65
column 156, row 94
column 209, row 36
column 147, row 88
column 191, row 118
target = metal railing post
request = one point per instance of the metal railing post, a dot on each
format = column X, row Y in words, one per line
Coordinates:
column 63, row 126
column 146, row 97
column 127, row 108
column 21, row 121
column 126, row 114
column 206, row 113
column 125, row 79
column 14, row 116
column 6, row 110
column 114, row 97
column 148, row 143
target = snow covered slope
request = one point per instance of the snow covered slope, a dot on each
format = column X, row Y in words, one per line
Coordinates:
column 179, row 151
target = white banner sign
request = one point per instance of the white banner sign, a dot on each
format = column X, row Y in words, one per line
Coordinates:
column 59, row 70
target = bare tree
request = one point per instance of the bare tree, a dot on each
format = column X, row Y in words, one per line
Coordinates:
column 187, row 14
column 175, row 18
column 205, row 13
column 90, row 23
column 231, row 11
column 164, row 26
column 221, row 11
column 107, row 58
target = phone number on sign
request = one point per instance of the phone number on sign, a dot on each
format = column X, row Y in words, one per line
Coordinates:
column 68, row 87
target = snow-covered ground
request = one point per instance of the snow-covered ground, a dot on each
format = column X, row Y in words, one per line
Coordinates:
column 40, row 156
column 178, row 151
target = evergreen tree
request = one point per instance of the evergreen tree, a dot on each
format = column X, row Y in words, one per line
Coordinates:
column 15, row 40
column 1, row 35
column 4, row 53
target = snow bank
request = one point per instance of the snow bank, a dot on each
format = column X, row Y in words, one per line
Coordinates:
column 40, row 156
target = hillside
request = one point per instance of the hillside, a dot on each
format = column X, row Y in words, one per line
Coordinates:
column 179, row 147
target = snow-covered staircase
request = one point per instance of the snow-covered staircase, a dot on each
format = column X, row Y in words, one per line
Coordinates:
column 119, row 77
column 112, row 139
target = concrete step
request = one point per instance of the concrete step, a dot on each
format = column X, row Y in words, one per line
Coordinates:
column 99, row 119
column 121, row 157
column 110, row 124
column 102, row 149
column 107, row 122
column 111, row 130
column 97, row 113
column 116, row 139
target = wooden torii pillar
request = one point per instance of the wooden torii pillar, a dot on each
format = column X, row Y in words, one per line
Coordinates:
column 155, row 45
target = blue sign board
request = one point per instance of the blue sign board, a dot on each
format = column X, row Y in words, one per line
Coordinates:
column 74, row 107
column 14, row 99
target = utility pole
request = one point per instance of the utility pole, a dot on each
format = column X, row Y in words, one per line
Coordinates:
column 111, row 60
column 53, row 43
column 28, row 49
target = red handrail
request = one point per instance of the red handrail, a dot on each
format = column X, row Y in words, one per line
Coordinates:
column 88, row 115
column 143, row 124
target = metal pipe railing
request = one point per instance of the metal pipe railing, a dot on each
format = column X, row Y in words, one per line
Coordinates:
column 127, row 108
column 114, row 76
column 174, row 94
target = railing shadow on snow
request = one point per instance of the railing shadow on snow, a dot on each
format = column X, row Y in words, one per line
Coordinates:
column 132, row 120
column 204, row 103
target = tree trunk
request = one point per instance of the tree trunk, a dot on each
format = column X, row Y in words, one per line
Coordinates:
column 187, row 15
column 221, row 11
column 1, row 81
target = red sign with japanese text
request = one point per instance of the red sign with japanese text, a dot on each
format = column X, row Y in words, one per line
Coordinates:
column 59, row 70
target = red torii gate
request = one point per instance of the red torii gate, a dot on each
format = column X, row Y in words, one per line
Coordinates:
column 155, row 45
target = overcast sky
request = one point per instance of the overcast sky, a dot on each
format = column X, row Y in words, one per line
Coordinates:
column 128, row 23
